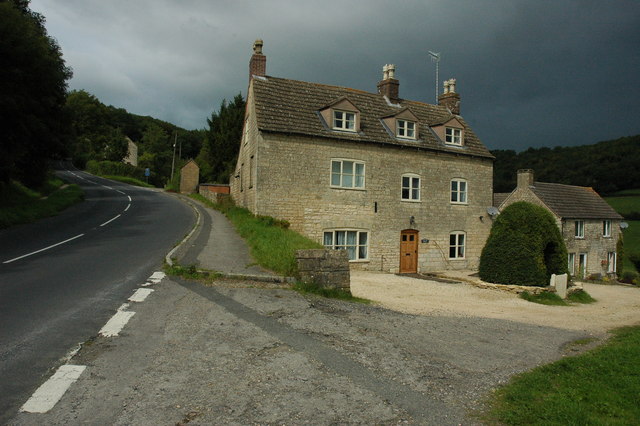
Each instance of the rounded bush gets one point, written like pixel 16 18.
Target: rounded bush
pixel 524 247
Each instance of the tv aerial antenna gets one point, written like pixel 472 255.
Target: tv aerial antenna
pixel 435 57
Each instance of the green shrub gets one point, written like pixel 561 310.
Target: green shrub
pixel 580 296
pixel 115 168
pixel 544 298
pixel 635 259
pixel 524 247
pixel 629 277
pixel 620 255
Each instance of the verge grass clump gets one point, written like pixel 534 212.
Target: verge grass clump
pixel 580 296
pixel 332 293
pixel 128 180
pixel 598 387
pixel 272 244
pixel 544 298
pixel 24 205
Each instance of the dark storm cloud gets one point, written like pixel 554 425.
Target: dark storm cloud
pixel 529 73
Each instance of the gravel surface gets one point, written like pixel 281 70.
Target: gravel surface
pixel 245 353
pixel 616 305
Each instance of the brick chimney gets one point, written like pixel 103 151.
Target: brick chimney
pixel 525 178
pixel 450 98
pixel 389 86
pixel 258 63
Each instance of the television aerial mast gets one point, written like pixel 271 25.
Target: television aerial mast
pixel 435 57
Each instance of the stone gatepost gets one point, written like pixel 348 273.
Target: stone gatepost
pixel 324 267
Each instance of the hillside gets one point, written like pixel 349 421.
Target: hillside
pixel 607 166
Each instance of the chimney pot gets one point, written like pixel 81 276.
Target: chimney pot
pixel 389 86
pixel 258 63
pixel 449 98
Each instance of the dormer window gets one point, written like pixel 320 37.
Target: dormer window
pixel 344 120
pixel 453 136
pixel 406 129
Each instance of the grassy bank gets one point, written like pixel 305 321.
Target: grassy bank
pixel 23 205
pixel 272 244
pixel 599 387
pixel 128 180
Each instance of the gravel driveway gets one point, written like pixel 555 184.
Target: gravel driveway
pixel 616 305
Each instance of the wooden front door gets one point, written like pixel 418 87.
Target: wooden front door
pixel 409 251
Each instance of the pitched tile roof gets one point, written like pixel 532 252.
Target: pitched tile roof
pixel 290 106
pixel 499 197
pixel 576 202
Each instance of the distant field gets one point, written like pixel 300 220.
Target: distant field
pixel 626 202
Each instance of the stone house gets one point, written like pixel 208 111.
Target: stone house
pixel 403 186
pixel 589 226
pixel 132 153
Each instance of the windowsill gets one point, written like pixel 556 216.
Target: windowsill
pixel 347 189
pixel 579 238
pixel 406 139
pixel 344 130
pixel 455 203
pixel 359 261
pixel 608 237
pixel 454 144
pixel 457 258
pixel 411 201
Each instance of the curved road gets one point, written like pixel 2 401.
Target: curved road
pixel 63 277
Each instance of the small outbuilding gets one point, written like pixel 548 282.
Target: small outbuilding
pixel 189 177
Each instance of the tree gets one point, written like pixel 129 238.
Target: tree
pixel 33 83
pixel 524 247
pixel 222 143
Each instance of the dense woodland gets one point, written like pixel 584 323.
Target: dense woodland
pixel 607 166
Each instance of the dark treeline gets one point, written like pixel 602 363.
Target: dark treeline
pixel 607 166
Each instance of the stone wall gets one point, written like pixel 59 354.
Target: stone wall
pixel 325 268
pixel 189 177
pixel 213 192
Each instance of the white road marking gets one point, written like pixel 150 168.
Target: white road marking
pixel 140 295
pixel 116 323
pixel 47 395
pixel 111 220
pixel 41 250
pixel 129 197
pixel 120 192
pixel 128 205
pixel 157 276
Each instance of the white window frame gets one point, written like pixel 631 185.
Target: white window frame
pixel 346 122
pixel 344 177
pixel 579 229
pixel 571 263
pixel 612 258
pixel 411 187
pixel 405 129
pixel 458 192
pixel 460 248
pixel 453 136
pixel 357 250
pixel 606 228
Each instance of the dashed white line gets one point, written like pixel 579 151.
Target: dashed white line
pixel 140 295
pixel 128 205
pixel 41 250
pixel 129 197
pixel 117 322
pixel 111 220
pixel 47 395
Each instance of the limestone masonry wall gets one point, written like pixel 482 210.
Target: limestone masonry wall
pixel 325 268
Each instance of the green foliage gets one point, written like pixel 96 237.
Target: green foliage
pixel 580 296
pixel 635 259
pixel 596 388
pixel 620 255
pixel 607 166
pixel 114 168
pixel 23 205
pixel 217 159
pixel 524 247
pixel 128 180
pixel 331 293
pixel 271 244
pixel 629 277
pixel 627 205
pixel 33 84
pixel 544 298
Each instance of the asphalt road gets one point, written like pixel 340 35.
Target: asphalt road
pixel 95 254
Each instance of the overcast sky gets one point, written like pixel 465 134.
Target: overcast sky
pixel 530 73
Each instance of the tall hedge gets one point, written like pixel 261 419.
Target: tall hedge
pixel 524 247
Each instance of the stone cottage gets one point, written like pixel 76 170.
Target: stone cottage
pixel 589 226
pixel 403 186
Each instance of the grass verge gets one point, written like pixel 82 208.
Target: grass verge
pixel 128 180
pixel 548 298
pixel 331 293
pixel 598 387
pixel 23 205
pixel 271 243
